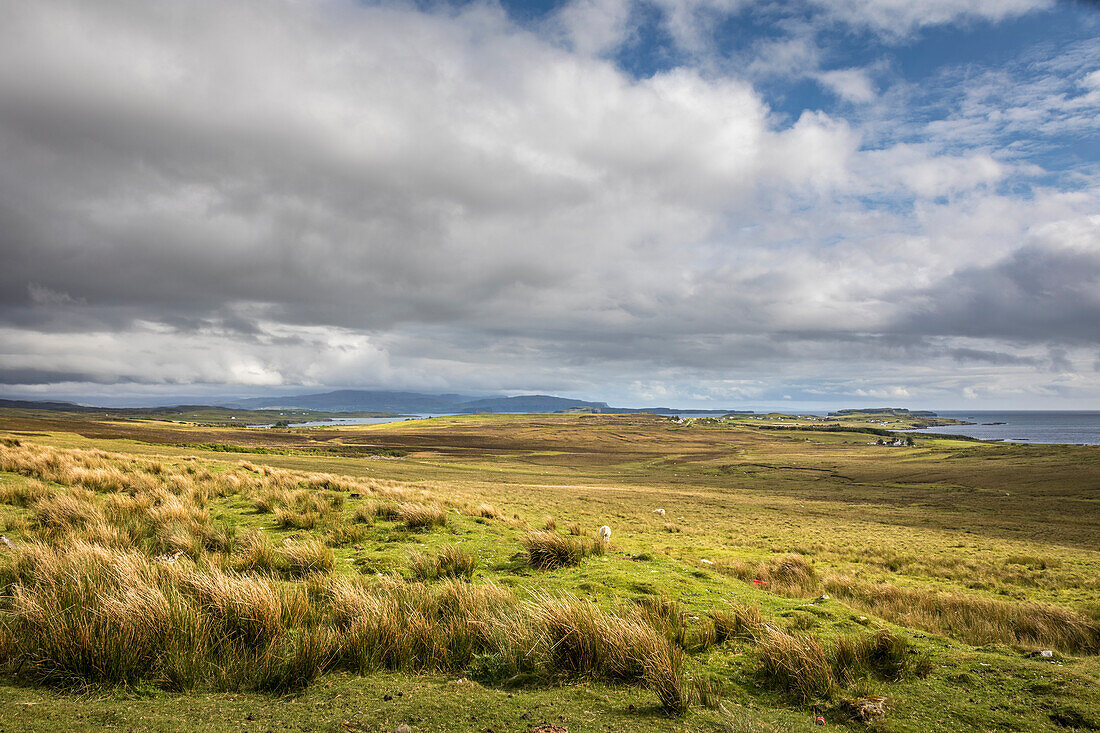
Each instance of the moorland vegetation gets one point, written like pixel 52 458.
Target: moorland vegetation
pixel 796 574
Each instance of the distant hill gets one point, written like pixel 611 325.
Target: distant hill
pixel 530 403
pixel 355 400
pixel 45 405
pixel 384 401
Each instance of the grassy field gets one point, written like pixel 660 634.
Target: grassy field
pixel 447 574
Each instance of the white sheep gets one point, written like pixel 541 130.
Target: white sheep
pixel 659 512
pixel 605 532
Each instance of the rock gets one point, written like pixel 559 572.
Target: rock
pixel 866 709
pixel 403 728
pixel 659 512
pixel 1046 653
pixel 6 542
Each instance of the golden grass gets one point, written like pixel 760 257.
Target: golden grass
pixel 971 618
pixel 789 575
pixel 795 664
pixel 421 516
pixel 451 562
pixel 24 494
pixel 808 670
pixel 488 511
pixel 550 550
pixel 236 611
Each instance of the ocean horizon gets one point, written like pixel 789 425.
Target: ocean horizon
pixel 1071 427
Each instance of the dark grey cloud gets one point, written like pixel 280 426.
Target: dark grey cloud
pixel 1035 294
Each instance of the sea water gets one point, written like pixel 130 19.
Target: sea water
pixel 1024 426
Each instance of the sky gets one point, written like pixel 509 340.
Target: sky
pixel 690 203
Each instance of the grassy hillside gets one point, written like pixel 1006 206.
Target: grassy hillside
pixel 447 574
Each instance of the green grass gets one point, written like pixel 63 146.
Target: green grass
pixel 906 540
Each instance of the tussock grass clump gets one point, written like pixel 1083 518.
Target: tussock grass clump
pixel 302 558
pixel 451 562
pixel 738 622
pixel 24 494
pixel 583 641
pixel 883 654
pixel 421 516
pixel 488 511
pixel 342 534
pixel 789 575
pixel 973 619
pixel 387 511
pixel 92 615
pixel 364 514
pixel 86 614
pixel 795 664
pixel 65 513
pixel 706 691
pixel 805 669
pixel 256 553
pixel 550 550
pixel 294 662
pixel 244 607
pixel 292 519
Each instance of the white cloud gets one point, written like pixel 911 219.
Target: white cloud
pixel 277 193
pixel 900 18
pixel 853 85
pixel 595 26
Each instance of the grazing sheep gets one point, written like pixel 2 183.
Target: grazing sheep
pixel 659 512
pixel 605 532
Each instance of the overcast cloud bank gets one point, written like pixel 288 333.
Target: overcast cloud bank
pixel 218 198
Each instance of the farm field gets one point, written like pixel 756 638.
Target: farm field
pixel 447 574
